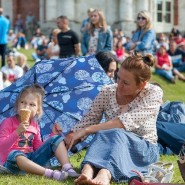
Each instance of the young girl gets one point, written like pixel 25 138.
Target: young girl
pixel 22 62
pixel 23 150
pixel 120 51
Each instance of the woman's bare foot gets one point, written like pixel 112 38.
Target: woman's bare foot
pixel 86 175
pixel 103 178
pixel 82 179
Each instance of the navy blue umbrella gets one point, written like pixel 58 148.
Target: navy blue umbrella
pixel 70 87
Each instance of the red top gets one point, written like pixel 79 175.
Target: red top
pixel 120 52
pixel 163 59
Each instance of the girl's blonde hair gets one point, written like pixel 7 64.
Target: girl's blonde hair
pixel 147 16
pixel 37 91
pixel 102 22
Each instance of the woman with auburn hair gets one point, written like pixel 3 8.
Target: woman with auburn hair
pixel 144 37
pixel 98 37
pixel 127 140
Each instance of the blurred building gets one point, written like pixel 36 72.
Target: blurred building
pixel 119 13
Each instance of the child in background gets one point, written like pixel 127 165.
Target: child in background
pixel 22 62
pixel 120 51
pixel 23 151
pixel 12 71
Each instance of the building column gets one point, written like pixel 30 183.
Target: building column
pixel 7 6
pixel 67 8
pixel 51 13
pixel 126 16
pixel 42 10
pixel 142 5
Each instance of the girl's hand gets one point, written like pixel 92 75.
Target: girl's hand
pixel 23 127
pixel 56 129
pixel 73 137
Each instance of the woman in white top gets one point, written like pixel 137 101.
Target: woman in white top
pixel 128 139
pixel 53 47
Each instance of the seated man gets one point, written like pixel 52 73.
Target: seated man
pixel 41 51
pixel 20 40
pixel 177 56
pixel 12 71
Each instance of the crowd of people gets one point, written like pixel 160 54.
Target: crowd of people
pixel 96 35
pixel 130 105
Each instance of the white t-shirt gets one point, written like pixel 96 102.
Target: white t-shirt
pixel 1 80
pixel 13 74
pixel 54 49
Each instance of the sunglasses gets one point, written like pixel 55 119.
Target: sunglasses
pixel 141 18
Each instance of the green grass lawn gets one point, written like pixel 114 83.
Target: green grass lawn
pixel 172 92
pixel 33 179
pixel 28 53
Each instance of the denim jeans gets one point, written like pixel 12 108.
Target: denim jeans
pixel 171 135
pixel 180 68
pixel 166 74
pixel 3 53
pixel 173 112
pixel 41 156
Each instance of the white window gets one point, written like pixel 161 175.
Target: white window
pixel 164 15
pixel 164 11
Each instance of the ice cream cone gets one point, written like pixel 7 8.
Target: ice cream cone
pixel 25 115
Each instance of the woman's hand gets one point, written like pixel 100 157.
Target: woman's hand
pixel 56 129
pixel 22 127
pixel 73 137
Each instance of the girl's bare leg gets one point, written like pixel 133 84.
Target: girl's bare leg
pixel 33 168
pixel 86 174
pixel 61 154
pixel 103 178
pixel 179 75
pixel 29 166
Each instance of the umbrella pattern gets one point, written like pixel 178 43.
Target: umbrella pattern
pixel 70 86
